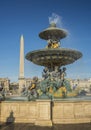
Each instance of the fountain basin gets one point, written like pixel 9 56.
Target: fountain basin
pixel 53 57
pixel 53 31
pixel 16 98
pixel 42 112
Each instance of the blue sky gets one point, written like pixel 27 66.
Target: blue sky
pixel 30 17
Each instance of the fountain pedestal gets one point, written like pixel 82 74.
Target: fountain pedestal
pixel 43 117
pixel 53 58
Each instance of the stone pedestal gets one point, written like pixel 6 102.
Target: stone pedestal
pixel 43 113
pixel 43 117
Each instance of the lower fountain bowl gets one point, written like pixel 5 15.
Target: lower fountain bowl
pixel 53 57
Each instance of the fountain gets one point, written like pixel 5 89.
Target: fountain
pixel 53 57
pixel 51 100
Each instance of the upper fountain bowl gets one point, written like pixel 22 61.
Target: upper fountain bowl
pixel 53 31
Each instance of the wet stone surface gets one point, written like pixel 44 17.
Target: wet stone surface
pixel 25 126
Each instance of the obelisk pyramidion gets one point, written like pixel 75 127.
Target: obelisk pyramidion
pixel 21 69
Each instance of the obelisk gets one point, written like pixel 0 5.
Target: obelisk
pixel 21 67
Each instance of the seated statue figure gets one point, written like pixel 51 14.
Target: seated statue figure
pixel 45 73
pixel 24 91
pixel 2 93
pixel 63 73
pixel 32 90
pixel 49 43
pixel 55 44
pixel 52 43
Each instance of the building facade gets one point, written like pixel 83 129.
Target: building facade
pixel 5 83
pixel 83 84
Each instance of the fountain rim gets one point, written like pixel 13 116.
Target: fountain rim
pixel 57 56
pixel 61 33
pixel 52 49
